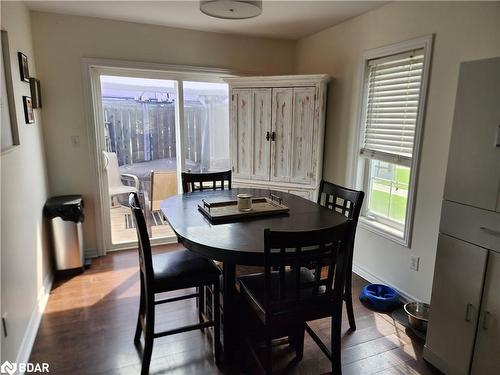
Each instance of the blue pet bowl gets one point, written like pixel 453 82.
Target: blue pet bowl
pixel 379 297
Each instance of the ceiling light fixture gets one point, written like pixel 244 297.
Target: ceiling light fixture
pixel 231 9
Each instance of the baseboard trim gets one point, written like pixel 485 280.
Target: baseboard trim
pixel 91 253
pixel 374 279
pixel 24 353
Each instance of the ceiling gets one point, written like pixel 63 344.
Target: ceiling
pixel 280 19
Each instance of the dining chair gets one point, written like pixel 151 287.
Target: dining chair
pixel 347 202
pixel 192 182
pixel 165 272
pixel 288 294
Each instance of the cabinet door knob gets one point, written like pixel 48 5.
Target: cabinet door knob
pixel 273 136
pixel 467 312
pixel 268 136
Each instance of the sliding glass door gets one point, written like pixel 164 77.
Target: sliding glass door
pixel 142 151
pixel 206 126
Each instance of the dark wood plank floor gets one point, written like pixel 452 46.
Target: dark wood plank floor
pixel 88 328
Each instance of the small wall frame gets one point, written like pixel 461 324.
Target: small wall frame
pixel 36 93
pixel 23 67
pixel 29 114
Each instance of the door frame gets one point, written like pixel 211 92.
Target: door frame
pixel 92 69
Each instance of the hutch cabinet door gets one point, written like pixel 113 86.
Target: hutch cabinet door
pixel 486 354
pixel 473 175
pixel 302 135
pixel 241 132
pixel 456 298
pixel 281 133
pixel 261 144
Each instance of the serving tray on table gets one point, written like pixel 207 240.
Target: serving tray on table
pixel 224 211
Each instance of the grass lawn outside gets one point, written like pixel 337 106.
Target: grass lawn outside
pixel 393 205
pixel 379 204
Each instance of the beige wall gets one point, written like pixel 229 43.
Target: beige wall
pixel 24 253
pixel 463 31
pixel 62 41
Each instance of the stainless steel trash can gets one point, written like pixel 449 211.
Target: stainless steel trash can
pixel 66 216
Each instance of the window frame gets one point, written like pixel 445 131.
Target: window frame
pixel 361 164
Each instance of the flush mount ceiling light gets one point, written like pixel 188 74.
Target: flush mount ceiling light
pixel 231 9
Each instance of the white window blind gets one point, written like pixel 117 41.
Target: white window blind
pixel 392 99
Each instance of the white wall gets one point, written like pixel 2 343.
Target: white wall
pixel 463 31
pixel 62 41
pixel 24 252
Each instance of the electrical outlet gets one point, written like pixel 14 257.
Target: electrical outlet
pixel 414 263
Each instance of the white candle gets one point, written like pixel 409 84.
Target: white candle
pixel 244 202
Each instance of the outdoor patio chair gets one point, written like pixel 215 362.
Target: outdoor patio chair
pixel 115 178
pixel 163 185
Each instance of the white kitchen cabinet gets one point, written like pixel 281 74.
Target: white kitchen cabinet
pixel 487 350
pixel 277 132
pixel 458 281
pixel 473 173
pixel 463 334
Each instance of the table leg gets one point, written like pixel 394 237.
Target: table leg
pixel 230 313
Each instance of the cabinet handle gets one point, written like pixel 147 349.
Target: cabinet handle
pixel 485 320
pixel 490 231
pixel 497 141
pixel 273 136
pixel 268 136
pixel 467 312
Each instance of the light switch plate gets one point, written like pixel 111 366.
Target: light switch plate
pixel 414 262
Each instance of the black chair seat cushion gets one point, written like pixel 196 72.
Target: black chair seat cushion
pixel 252 288
pixel 182 269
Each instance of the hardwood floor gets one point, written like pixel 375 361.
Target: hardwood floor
pixel 88 328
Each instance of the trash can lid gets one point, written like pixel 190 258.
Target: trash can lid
pixel 67 207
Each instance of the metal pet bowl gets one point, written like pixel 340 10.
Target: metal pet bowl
pixel 418 315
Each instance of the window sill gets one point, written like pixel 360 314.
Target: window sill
pixel 384 230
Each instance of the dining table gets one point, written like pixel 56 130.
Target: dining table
pixel 241 241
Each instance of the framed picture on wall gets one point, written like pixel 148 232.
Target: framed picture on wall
pixel 23 67
pixel 36 93
pixel 29 115
pixel 9 134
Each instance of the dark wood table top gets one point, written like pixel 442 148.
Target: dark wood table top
pixel 240 242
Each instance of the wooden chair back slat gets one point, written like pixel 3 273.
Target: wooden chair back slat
pixel 145 257
pixel 350 200
pixel 192 182
pixel 327 246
